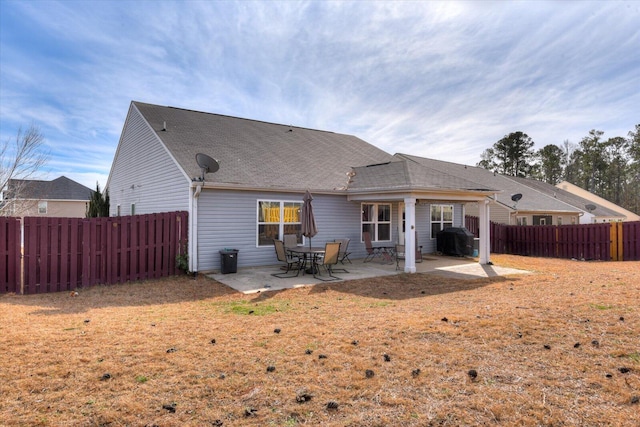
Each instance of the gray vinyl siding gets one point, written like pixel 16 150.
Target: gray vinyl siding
pixel 498 214
pixel 423 224
pixel 144 174
pixel 228 219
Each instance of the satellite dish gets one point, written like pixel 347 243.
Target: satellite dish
pixel 207 164
pixel 516 197
pixel 590 207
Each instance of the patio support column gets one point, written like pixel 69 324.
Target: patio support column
pixel 485 238
pixel 410 235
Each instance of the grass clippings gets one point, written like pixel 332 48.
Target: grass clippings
pixel 102 358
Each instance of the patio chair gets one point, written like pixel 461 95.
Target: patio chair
pixel 399 255
pixel 372 252
pixel 292 262
pixel 330 258
pixel 344 250
pixel 290 241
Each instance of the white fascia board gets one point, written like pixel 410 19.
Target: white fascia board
pixel 115 156
pixel 449 195
pixel 238 187
pixel 153 132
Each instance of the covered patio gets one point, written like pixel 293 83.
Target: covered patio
pixel 260 279
pixel 406 184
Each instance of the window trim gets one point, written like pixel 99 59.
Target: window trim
pixel 41 204
pixel 442 222
pixel 375 222
pixel 281 224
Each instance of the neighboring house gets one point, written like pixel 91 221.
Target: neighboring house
pixel 534 207
pixel 599 201
pixel 61 197
pixel 265 168
pixel 591 211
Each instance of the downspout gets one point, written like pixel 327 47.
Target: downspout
pixel 193 232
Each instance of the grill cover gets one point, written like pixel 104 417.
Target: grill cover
pixel 456 241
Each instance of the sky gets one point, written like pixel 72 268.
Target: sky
pixel 443 80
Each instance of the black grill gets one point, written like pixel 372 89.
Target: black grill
pixel 457 241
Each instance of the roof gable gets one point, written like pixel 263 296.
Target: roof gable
pixel 254 154
pixel 407 174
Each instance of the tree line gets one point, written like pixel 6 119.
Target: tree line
pixel 609 168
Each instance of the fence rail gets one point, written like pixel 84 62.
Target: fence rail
pixel 616 241
pixel 63 254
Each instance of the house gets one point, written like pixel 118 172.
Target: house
pixel 621 214
pixel 61 197
pixel 264 170
pixel 590 211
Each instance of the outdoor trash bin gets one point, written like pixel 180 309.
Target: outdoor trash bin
pixel 228 261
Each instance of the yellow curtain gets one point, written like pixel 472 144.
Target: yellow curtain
pixel 291 214
pixel 274 215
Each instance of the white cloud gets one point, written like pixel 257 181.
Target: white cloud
pixel 439 79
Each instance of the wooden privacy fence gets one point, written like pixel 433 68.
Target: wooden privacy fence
pixel 62 254
pixel 9 255
pixel 615 241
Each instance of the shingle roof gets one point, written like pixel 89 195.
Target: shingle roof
pixel 254 154
pixel 61 188
pixel 532 200
pixel 567 197
pixel 407 174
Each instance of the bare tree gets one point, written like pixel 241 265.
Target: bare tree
pixel 19 160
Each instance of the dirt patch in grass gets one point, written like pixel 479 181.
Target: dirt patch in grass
pixel 557 347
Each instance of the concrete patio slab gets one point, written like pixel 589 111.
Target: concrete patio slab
pixel 260 279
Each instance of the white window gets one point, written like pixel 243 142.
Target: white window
pixel 277 218
pixel 559 220
pixel 521 220
pixel 118 210
pixel 133 208
pixel 441 218
pixel 376 219
pixel 42 207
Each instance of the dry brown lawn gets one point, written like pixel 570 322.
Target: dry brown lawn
pixel 558 347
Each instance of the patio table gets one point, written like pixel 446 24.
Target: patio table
pixel 306 253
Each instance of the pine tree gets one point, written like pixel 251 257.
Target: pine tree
pixel 98 204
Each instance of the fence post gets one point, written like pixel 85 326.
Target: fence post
pixel 620 237
pixel 613 232
pixel 10 251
